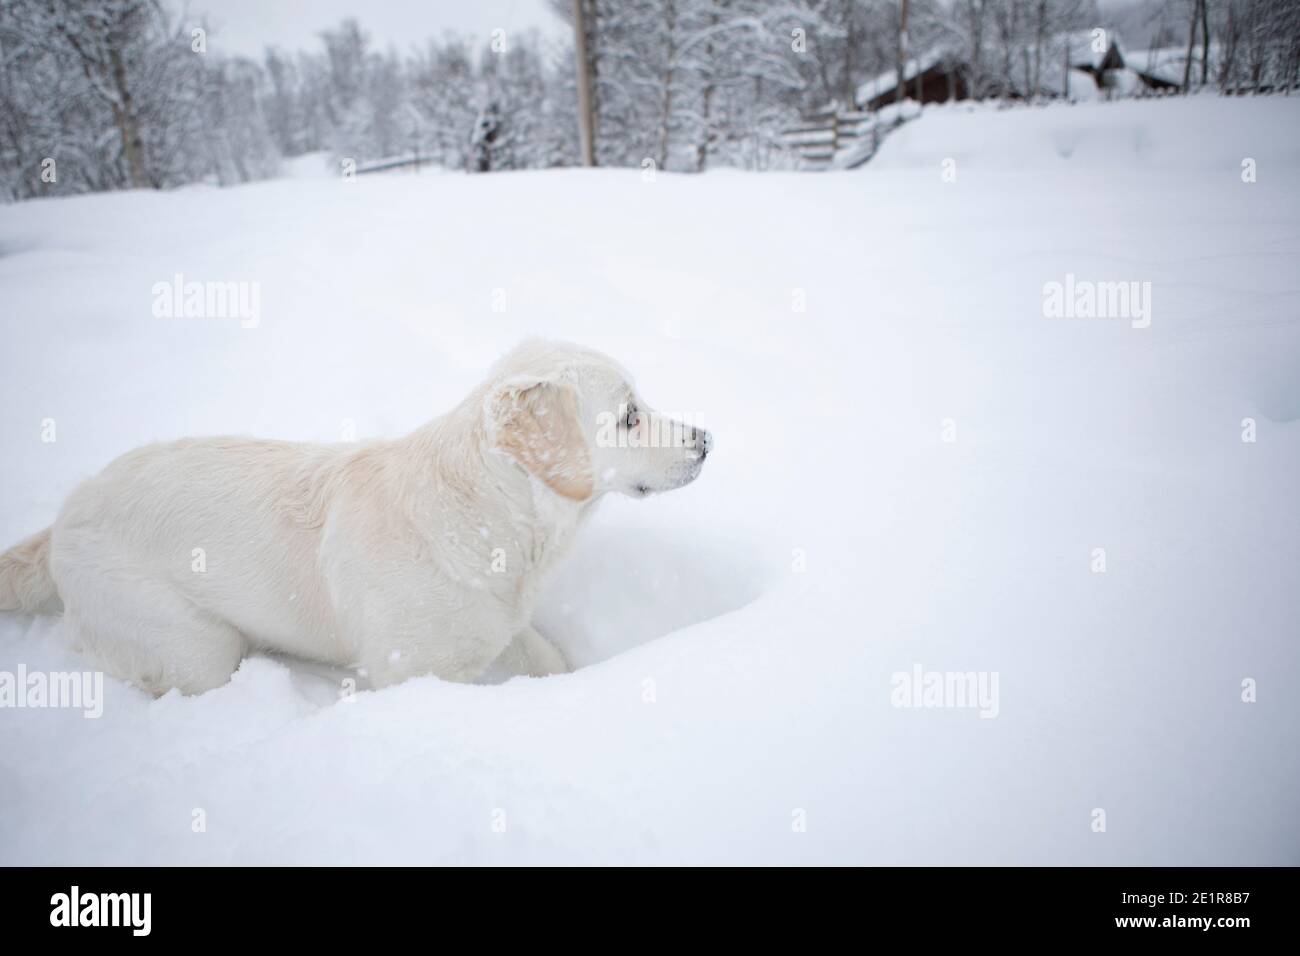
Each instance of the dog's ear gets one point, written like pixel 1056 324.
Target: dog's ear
pixel 536 423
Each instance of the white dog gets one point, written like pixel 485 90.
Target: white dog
pixel 422 555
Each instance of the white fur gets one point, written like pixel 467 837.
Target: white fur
pixel 422 555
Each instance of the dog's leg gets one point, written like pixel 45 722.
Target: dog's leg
pixel 543 655
pixel 532 654
pixel 144 632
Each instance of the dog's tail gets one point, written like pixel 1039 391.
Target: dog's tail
pixel 26 583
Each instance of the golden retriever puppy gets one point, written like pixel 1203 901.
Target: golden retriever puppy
pixel 420 555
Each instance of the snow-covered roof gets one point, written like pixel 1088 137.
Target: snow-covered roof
pixel 1167 63
pixel 888 80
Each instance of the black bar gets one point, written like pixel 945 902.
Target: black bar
pixel 976 904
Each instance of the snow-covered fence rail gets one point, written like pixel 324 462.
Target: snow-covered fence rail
pixel 412 161
pixel 836 138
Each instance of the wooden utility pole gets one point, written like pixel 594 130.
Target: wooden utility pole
pixel 1065 83
pixel 1191 45
pixel 666 113
pixel 586 137
pixel 1205 42
pixel 902 51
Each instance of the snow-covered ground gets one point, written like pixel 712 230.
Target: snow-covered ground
pixel 738 638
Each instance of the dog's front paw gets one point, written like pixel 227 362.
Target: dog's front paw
pixel 537 656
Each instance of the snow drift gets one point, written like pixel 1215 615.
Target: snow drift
pixel 916 469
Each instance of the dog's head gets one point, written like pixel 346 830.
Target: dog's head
pixel 572 418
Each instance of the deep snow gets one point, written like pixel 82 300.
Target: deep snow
pixel 770 686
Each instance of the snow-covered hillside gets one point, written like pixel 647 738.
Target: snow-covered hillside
pixel 915 468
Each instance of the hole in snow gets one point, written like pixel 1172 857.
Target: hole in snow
pixel 624 586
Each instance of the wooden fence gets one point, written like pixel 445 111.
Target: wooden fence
pixel 836 138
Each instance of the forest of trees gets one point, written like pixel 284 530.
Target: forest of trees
pixel 113 94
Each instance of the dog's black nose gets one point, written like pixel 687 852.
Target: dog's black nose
pixel 704 443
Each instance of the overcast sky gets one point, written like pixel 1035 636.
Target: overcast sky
pixel 248 26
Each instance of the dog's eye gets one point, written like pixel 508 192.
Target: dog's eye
pixel 632 417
